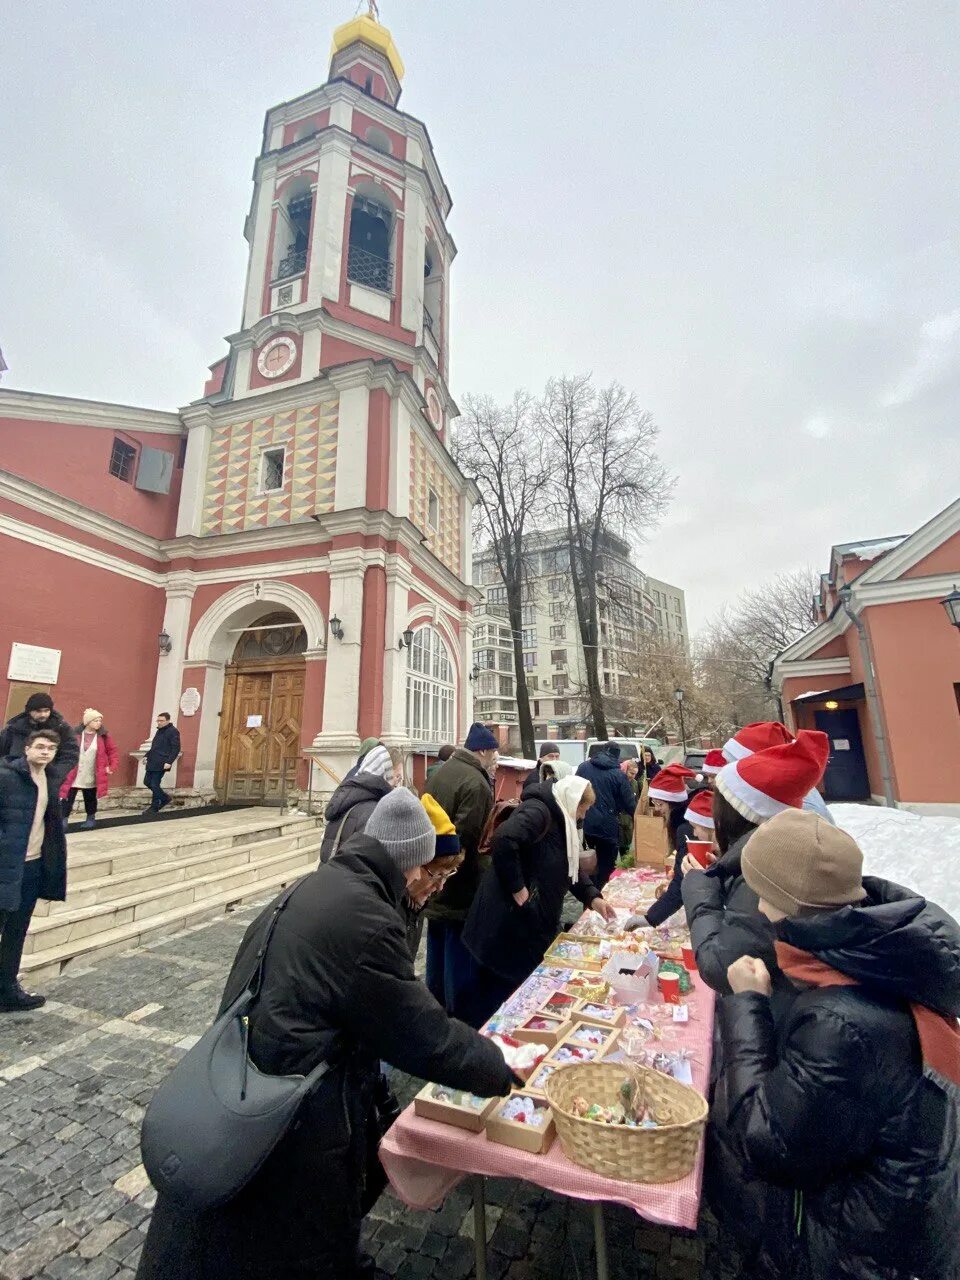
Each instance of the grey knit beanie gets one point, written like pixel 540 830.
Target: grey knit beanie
pixel 401 825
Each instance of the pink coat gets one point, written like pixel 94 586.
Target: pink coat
pixel 107 758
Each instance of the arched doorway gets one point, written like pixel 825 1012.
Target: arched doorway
pixel 262 710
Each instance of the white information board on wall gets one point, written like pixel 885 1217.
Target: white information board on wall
pixel 34 664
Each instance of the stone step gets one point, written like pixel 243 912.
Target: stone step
pixel 134 881
pixel 80 922
pixel 93 855
pixel 41 965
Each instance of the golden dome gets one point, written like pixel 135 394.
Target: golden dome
pixel 368 31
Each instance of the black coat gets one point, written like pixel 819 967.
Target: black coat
pixel 163 749
pixel 614 796
pixel 826 1112
pixel 18 804
pixel 671 900
pixel 17 730
pixel 464 790
pixel 529 850
pixel 725 923
pixel 349 809
pixel 338 983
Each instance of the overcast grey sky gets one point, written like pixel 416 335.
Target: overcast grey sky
pixel 746 212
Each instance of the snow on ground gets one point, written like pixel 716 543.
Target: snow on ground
pixel 921 853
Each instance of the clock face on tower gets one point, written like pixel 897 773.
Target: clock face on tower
pixel 434 411
pixel 276 357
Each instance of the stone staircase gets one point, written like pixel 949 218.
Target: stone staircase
pixel 135 883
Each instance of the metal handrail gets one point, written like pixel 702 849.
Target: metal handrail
pixel 369 269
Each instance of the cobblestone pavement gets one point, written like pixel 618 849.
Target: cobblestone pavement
pixel 75 1202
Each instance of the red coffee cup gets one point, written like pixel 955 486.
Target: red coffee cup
pixel 689 959
pixel 669 984
pixel 700 851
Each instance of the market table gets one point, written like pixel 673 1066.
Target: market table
pixel 425 1159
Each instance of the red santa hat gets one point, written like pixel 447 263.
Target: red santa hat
pixel 669 784
pixel 700 809
pixel 713 762
pixel 767 782
pixel 759 736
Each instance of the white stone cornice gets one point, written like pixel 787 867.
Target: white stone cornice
pixel 34 406
pixel 39 500
pixel 292 395
pixel 209 546
pixel 73 550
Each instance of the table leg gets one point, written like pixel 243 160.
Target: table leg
pixel 600 1241
pixel 480 1226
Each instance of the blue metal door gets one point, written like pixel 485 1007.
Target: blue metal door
pixel 846 776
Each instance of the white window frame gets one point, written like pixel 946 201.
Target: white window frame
pixel 268 449
pixel 431 688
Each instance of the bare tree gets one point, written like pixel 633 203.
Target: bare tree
pixel 737 646
pixel 496 446
pixel 604 473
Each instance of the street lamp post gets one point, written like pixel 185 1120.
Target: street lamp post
pixel 678 694
pixel 951 604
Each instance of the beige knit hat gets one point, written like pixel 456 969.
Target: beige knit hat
pixel 91 714
pixel 798 860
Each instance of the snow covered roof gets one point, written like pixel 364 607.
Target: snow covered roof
pixel 870 548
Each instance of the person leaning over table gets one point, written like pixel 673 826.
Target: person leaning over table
pixel 836 1109
pixel 668 799
pixel 722 909
pixel 338 984
pixel 433 875
pixel 517 910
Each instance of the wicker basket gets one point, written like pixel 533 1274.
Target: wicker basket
pixel 663 1154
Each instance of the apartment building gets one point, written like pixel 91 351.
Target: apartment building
pixel 553 656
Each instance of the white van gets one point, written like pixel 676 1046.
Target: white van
pixel 573 751
pixel 630 748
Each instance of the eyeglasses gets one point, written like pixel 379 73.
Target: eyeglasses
pixel 439 877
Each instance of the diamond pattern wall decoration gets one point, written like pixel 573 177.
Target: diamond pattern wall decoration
pixel 426 474
pixel 232 497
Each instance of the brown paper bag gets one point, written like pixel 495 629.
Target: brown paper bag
pixel 649 840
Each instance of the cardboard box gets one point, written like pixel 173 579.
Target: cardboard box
pixel 587 986
pixel 582 953
pixel 470 1117
pixel 599 1014
pixel 514 1133
pixel 577 1039
pixel 534 1032
pixel 559 1005
pixel 537 1080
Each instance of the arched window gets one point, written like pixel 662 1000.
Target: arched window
pixel 293 230
pixel 369 258
pixel 431 690
pixel 273 637
pixel 379 140
pixel 432 286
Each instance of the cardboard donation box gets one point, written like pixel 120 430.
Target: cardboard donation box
pixel 453 1106
pixel 524 1121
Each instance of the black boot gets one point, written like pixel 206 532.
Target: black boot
pixel 15 1000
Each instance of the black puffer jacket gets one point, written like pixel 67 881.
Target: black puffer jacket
pixel 671 900
pixel 349 808
pixel 15 733
pixel 339 983
pixel 725 923
pixel 614 796
pixel 529 850
pixel 826 1112
pixel 18 804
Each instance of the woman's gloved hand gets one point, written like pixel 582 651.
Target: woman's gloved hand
pixel 636 922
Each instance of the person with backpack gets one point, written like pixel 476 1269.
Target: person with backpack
pixel 837 1099
pixel 535 861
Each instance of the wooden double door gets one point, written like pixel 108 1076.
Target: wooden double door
pixel 260 732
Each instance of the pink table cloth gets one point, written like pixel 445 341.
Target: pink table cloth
pixel 424 1160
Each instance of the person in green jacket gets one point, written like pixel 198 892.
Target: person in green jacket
pixel 443 755
pixel 463 787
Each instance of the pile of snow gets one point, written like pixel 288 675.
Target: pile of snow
pixel 921 853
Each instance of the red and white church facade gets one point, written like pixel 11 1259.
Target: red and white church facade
pixel 283 564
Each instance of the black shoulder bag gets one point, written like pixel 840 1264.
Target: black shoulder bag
pixel 216 1118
